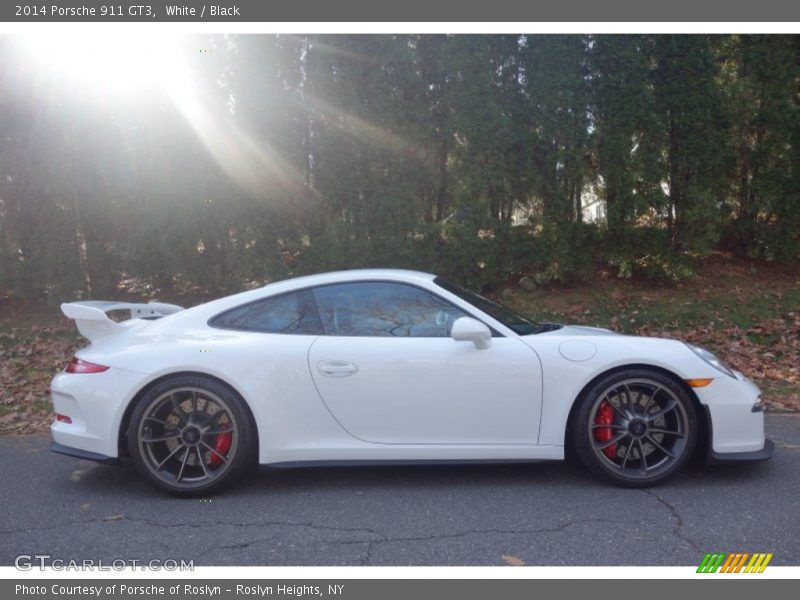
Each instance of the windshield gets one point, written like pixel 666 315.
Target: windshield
pixel 513 320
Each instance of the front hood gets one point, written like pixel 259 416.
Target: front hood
pixel 580 330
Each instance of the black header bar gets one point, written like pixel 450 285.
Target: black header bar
pixel 238 11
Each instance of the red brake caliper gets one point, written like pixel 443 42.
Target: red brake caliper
pixel 605 416
pixel 222 444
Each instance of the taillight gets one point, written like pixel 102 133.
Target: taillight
pixel 63 418
pixel 78 365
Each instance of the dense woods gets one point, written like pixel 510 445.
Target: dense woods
pixel 484 158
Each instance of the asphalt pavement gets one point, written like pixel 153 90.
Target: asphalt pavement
pixel 536 514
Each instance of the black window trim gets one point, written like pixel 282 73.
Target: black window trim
pixel 311 288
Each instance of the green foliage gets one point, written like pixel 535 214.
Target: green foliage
pixel 629 130
pixel 646 252
pixel 470 156
pixel 761 82
pixel 698 157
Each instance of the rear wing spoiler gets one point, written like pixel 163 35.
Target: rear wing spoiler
pixel 92 320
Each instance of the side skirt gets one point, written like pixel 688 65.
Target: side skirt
pixel 388 454
pixel 300 464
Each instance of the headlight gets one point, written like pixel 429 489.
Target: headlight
pixel 712 360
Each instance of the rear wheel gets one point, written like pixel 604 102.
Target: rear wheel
pixel 635 428
pixel 191 435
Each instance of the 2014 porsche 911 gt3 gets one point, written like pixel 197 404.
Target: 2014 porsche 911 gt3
pixel 386 366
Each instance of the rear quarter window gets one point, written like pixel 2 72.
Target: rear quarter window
pixel 293 313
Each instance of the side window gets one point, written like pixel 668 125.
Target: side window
pixel 293 313
pixel 383 309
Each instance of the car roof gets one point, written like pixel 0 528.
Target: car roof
pixel 351 275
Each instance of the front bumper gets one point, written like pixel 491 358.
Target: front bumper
pixel 735 418
pixel 724 457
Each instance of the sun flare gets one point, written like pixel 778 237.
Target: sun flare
pixel 103 62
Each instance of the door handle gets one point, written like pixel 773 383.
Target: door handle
pixel 337 368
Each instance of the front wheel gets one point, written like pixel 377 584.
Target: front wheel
pixel 191 435
pixel 636 428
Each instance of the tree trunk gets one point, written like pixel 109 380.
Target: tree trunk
pixel 441 192
pixel 675 188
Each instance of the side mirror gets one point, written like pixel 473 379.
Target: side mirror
pixel 467 329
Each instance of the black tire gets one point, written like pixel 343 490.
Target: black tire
pixel 192 436
pixel 635 428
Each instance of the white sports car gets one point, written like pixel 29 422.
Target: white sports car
pixel 386 366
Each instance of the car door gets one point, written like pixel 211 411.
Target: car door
pixel 389 372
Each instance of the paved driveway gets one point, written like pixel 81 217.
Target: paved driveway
pixel 545 514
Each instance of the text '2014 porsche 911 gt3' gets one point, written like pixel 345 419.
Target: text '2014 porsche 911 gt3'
pixel 386 366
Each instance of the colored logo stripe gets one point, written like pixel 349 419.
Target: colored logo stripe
pixel 711 563
pixel 734 562
pixel 758 563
